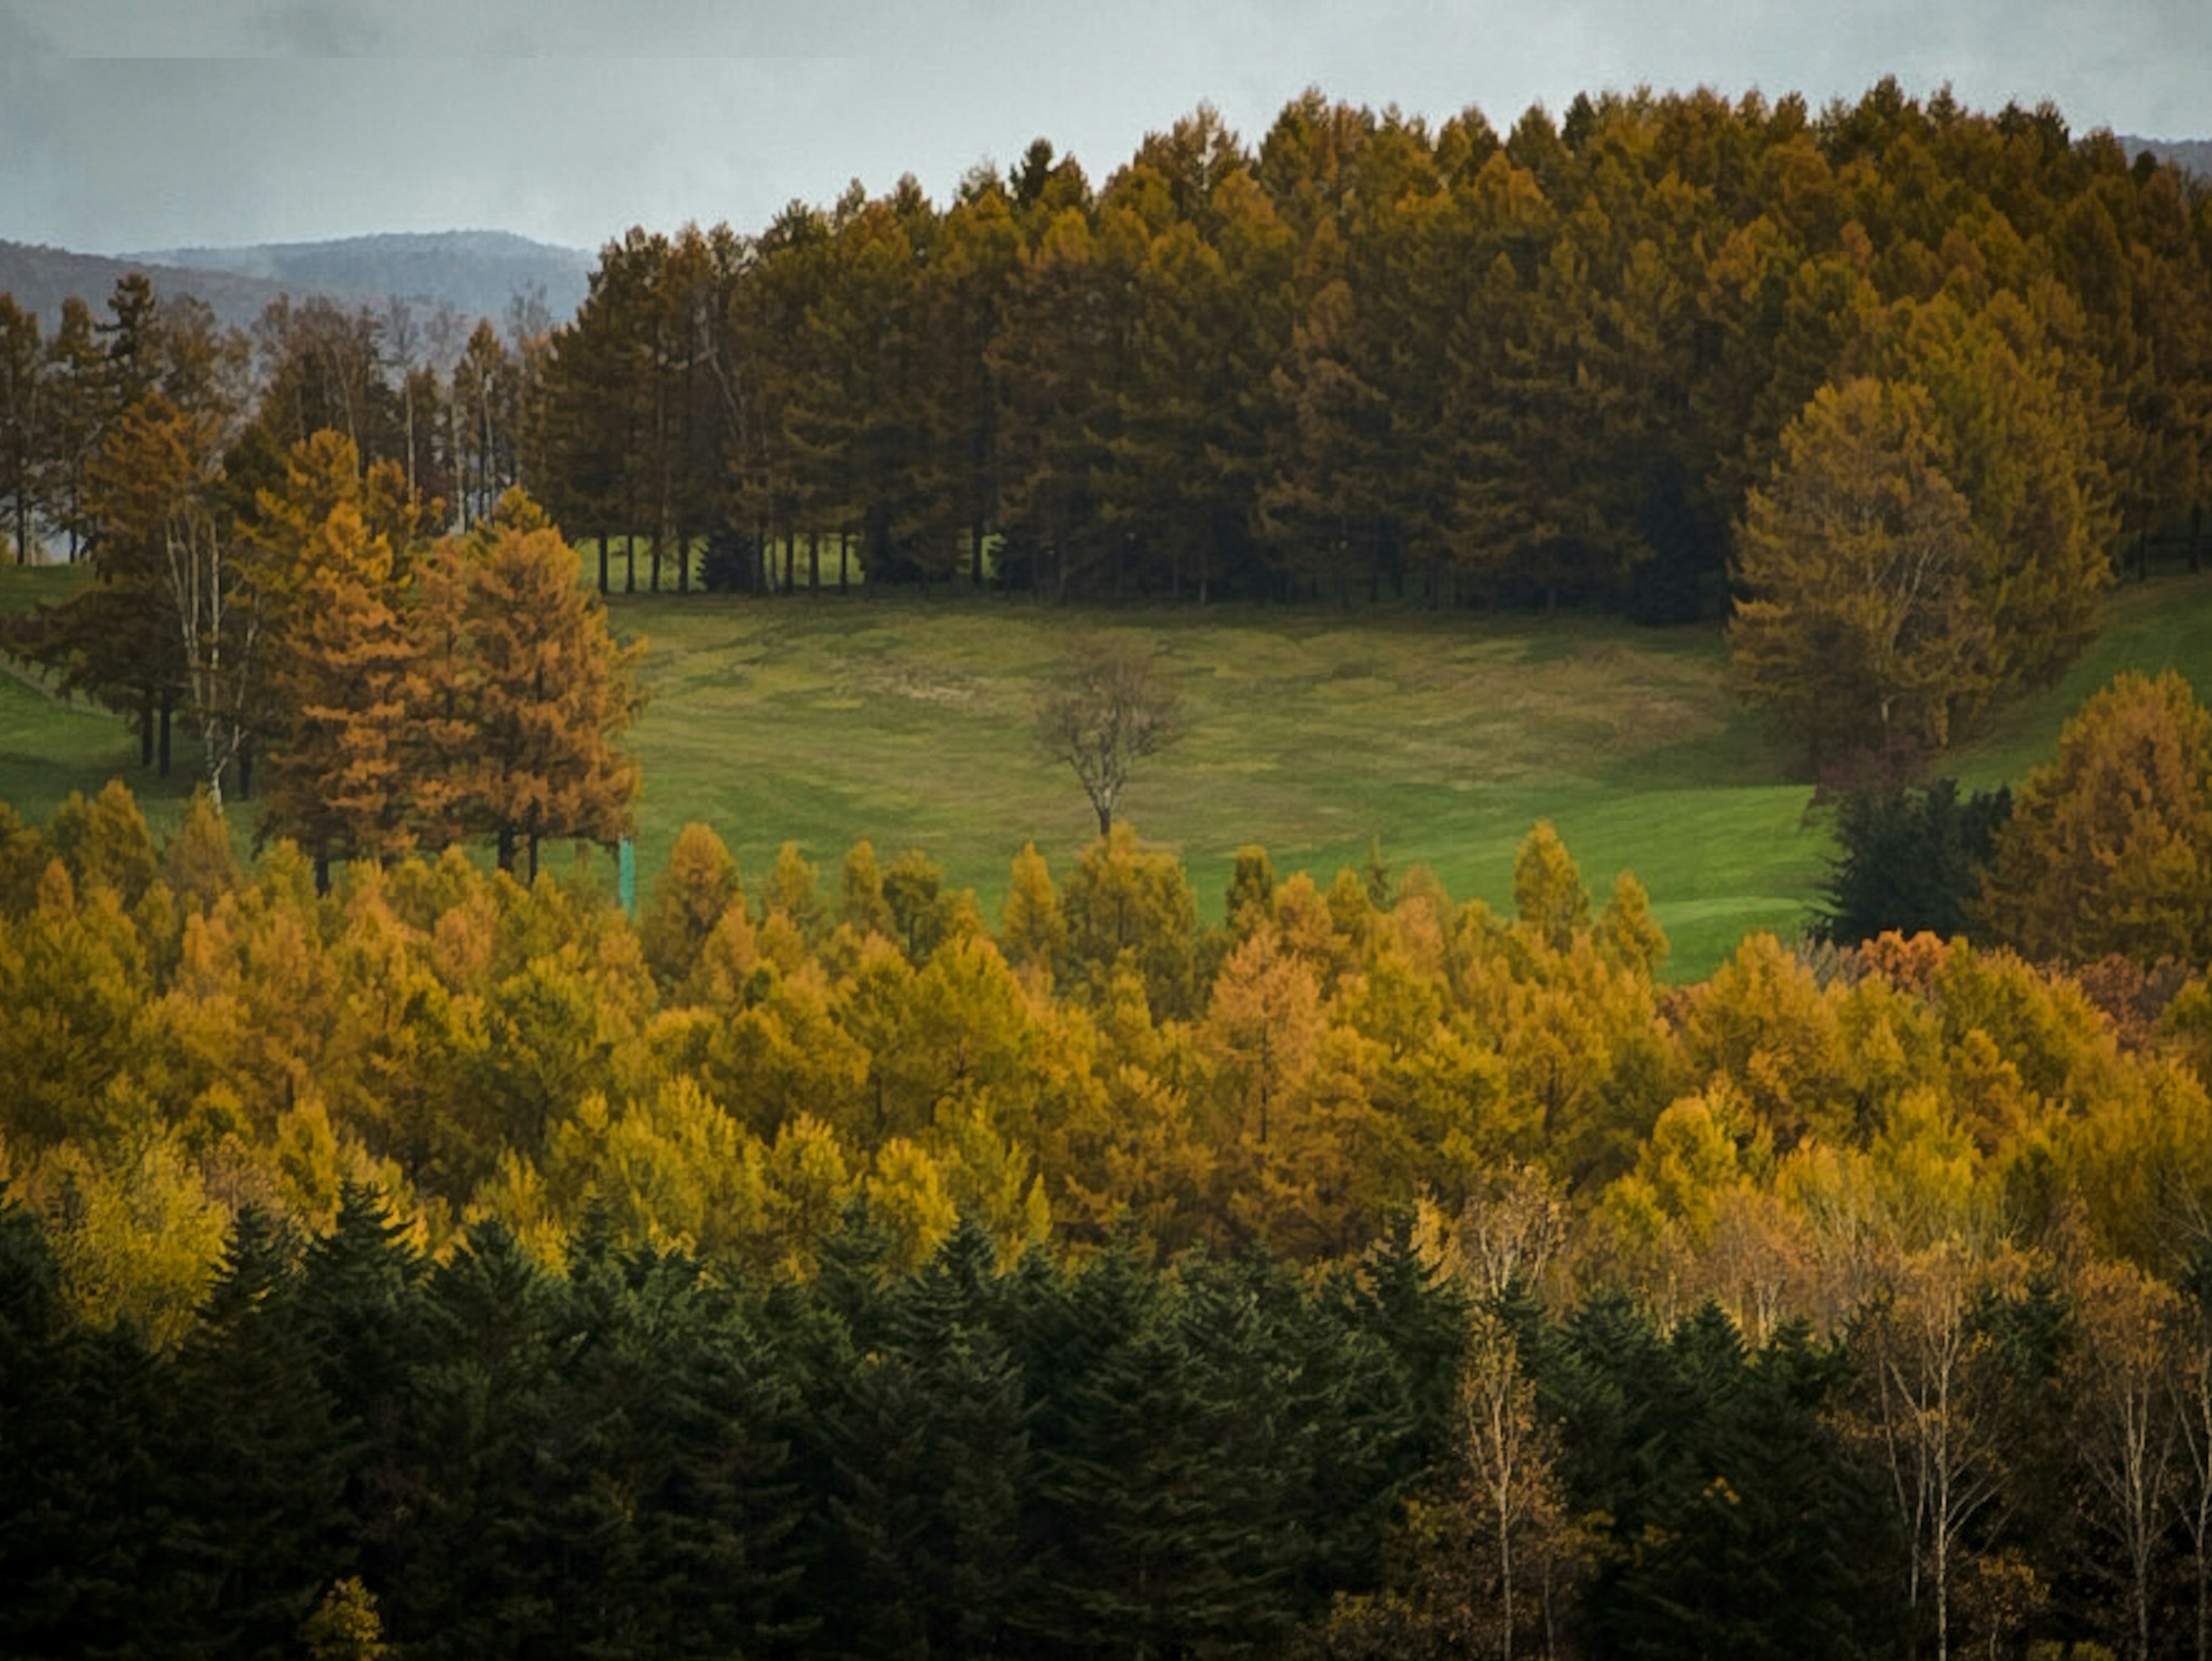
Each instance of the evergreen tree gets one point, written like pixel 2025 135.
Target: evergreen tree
pixel 1911 860
pixel 25 442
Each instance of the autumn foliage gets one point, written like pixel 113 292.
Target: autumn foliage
pixel 1840 1174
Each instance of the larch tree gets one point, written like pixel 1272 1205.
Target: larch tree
pixel 341 780
pixel 531 686
pixel 2109 847
pixel 1860 628
pixel 75 415
pixel 22 435
pixel 700 884
pixel 1032 930
pixel 2016 441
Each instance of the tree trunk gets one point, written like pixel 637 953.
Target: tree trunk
pixel 506 848
pixel 163 770
pixel 629 559
pixel 844 563
pixel 2204 1600
pixel 603 563
pixel 683 560
pixel 245 770
pixel 146 729
pixel 211 749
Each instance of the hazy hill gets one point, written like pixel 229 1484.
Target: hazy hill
pixel 41 278
pixel 2193 154
pixel 476 273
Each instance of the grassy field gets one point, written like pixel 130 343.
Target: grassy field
pixel 906 720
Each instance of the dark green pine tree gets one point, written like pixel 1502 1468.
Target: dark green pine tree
pixel 931 1475
pixel 359 1304
pixel 256 1475
pixel 1736 1525
pixel 491 1547
pixel 1909 859
pixel 1180 1524
pixel 1419 1315
pixel 686 1405
pixel 81 1429
pixel 1356 1404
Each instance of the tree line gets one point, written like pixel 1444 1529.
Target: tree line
pixel 1371 355
pixel 1900 385
pixel 440 398
pixel 1846 1302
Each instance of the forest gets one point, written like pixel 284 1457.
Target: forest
pixel 413 1248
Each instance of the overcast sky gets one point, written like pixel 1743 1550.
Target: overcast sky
pixel 128 125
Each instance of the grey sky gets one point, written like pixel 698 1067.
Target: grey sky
pixel 136 123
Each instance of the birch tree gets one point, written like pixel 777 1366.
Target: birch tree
pixel 157 499
pixel 2123 1424
pixel 1935 1418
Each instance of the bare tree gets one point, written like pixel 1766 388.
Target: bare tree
pixel 2190 1382
pixel 1936 1414
pixel 2123 1421
pixel 1110 704
pixel 1515 1221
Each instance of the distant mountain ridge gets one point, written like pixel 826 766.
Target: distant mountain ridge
pixel 477 273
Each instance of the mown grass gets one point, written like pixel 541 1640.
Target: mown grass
pixel 908 720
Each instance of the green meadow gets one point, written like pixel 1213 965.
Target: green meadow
pixel 908 720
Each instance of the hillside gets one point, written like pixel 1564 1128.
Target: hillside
pixel 477 273
pixel 1311 731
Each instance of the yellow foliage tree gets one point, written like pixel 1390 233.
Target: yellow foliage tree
pixel 526 691
pixel 699 884
pixel 1861 628
pixel 2109 847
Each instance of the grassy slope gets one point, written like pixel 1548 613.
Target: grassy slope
pixel 907 721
